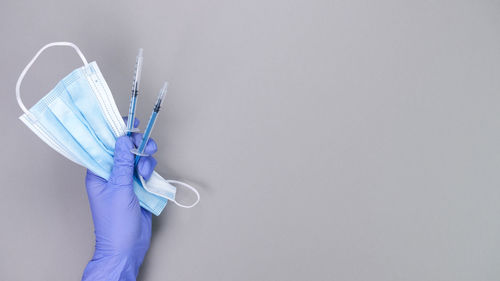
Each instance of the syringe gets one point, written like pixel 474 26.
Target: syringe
pixel 135 90
pixel 147 133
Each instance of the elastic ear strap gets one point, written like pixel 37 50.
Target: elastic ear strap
pixel 173 200
pixel 28 66
pixel 189 187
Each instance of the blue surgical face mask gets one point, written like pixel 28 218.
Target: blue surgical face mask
pixel 80 120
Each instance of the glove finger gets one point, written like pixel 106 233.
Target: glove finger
pixel 94 185
pixel 93 177
pixel 151 146
pixel 93 182
pixel 146 166
pixel 136 121
pixel 123 167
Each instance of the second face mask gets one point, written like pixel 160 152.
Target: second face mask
pixel 80 120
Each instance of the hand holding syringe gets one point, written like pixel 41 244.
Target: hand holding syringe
pixel 139 151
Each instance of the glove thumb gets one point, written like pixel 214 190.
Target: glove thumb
pixel 122 173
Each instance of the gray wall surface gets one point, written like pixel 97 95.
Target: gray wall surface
pixel 330 140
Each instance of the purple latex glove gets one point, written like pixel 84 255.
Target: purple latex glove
pixel 122 227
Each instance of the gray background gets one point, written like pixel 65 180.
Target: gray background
pixel 330 140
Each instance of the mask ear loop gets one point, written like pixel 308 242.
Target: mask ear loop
pixel 189 187
pixel 28 66
pixel 173 200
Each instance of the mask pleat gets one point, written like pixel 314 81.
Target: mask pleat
pixel 53 126
pixel 88 105
pixel 81 133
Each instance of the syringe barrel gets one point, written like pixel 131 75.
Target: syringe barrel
pixel 146 136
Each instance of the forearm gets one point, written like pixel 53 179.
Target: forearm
pixel 113 267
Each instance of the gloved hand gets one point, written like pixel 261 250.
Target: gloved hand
pixel 122 227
